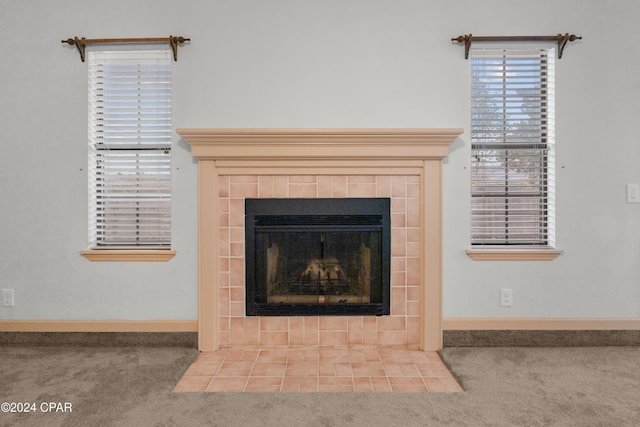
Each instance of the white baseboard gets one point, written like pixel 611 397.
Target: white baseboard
pixel 565 324
pixel 98 326
pixel 450 323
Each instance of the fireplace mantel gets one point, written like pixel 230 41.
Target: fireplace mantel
pixel 305 144
pixel 241 152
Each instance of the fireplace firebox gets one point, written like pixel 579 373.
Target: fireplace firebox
pixel 313 257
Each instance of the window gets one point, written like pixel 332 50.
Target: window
pixel 512 148
pixel 130 149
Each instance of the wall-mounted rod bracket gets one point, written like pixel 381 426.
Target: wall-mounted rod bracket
pixel 174 41
pixel 561 39
pixel 77 43
pixel 81 43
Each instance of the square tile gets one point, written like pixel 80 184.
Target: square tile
pixel 318 369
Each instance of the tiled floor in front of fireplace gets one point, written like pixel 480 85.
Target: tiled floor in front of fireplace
pixel 318 370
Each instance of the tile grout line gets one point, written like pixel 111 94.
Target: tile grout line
pixel 401 358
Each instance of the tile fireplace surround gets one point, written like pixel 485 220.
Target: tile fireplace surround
pixel 402 164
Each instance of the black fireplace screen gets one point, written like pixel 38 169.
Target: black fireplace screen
pixel 317 256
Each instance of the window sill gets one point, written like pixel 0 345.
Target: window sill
pixel 512 254
pixel 140 255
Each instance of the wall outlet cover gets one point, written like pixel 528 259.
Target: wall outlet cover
pixel 6 296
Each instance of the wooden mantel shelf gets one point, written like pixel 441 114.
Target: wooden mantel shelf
pixel 319 144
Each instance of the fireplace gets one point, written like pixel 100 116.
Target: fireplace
pixel 403 164
pixel 315 257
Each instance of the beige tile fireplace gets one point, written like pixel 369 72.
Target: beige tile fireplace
pixel 401 164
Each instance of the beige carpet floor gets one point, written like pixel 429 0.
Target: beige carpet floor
pixel 578 386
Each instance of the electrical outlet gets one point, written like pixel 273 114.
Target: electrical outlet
pixel 7 298
pixel 506 297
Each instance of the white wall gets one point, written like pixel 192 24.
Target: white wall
pixel 329 63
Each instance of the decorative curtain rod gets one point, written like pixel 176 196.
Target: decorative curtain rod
pixel 82 43
pixel 562 40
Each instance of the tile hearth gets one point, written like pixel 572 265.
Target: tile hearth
pixel 318 369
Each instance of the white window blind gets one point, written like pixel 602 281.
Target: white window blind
pixel 130 148
pixel 512 138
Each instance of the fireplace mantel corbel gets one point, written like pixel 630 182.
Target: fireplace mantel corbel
pixel 320 152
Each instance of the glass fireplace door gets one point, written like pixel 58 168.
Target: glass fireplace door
pixel 317 257
pixel 318 267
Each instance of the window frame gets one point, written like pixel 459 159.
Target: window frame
pixel 112 147
pixel 539 247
